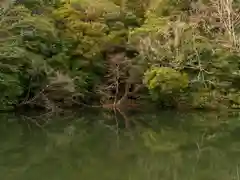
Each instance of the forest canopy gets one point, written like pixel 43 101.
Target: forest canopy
pixel 171 53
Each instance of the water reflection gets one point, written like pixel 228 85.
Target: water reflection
pixel 170 146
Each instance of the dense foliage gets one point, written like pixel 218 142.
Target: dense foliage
pixel 181 53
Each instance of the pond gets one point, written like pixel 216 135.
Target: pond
pixel 96 146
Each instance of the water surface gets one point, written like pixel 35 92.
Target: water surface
pixel 96 146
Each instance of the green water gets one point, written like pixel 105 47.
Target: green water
pixel 96 146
